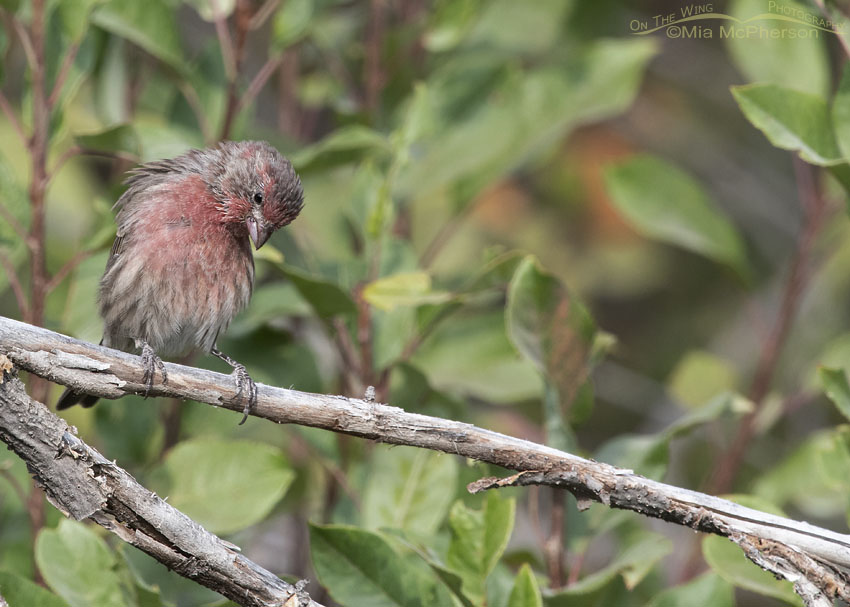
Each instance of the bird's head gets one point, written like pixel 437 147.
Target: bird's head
pixel 254 186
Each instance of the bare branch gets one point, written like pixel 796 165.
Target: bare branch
pixel 258 82
pixel 67 62
pixel 263 13
pixel 111 374
pixel 83 484
pixel 19 229
pixel 72 263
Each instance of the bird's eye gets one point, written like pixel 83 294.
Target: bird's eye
pixel 258 198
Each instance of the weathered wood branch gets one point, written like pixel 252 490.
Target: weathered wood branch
pixel 83 484
pixel 816 559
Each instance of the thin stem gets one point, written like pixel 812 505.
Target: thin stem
pixel 15 283
pixel 66 269
pixel 19 229
pixel 263 13
pixel 814 207
pixel 288 109
pixel 26 42
pixel 259 82
pixel 554 546
pixel 232 57
pixel 191 97
pixel 225 41
pixel 374 76
pixel 67 62
pixel 841 40
pixel 446 233
pixel 10 115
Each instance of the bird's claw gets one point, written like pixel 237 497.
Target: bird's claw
pixel 151 362
pixel 245 383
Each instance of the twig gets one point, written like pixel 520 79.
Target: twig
pixel 347 350
pixel 288 107
pixel 553 548
pixel 263 13
pixel 258 82
pixel 191 97
pixel 111 374
pixel 818 581
pixel 13 120
pixel 15 283
pixel 84 485
pixel 829 16
pixel 67 62
pixel 445 234
pixel 6 214
pixel 814 208
pixel 72 263
pixel 26 42
pixel 225 41
pixel 374 76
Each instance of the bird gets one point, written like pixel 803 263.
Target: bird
pixel 181 265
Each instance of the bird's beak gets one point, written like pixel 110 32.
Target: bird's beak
pixel 258 230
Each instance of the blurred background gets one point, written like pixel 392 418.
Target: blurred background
pixel 468 167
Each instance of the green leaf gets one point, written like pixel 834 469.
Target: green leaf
pixel 74 15
pixel 728 561
pixel 326 298
pixel 78 566
pixel 120 138
pixel 707 589
pixel 112 83
pixel 518 27
pixel 841 113
pixel 402 290
pixel 814 478
pixel 450 20
pixel 291 23
pixel 21 592
pixel 341 146
pixel 409 489
pixel 700 376
pixel 209 482
pixel 210 10
pixel 479 537
pixel 360 567
pixel 664 203
pixel 798 62
pixel 526 592
pixel 644 549
pixel 648 455
pixel 835 386
pixel 525 114
pixel 470 354
pixel 150 25
pixel 791 120
pixel 555 332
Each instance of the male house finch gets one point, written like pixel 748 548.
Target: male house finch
pixel 181 267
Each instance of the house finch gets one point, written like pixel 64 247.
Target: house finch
pixel 181 267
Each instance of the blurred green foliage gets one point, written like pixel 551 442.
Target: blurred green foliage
pixel 517 214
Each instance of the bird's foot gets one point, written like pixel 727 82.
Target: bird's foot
pixel 246 389
pixel 151 362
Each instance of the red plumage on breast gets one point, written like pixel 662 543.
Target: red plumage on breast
pixel 178 274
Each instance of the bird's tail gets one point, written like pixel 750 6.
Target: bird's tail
pixel 70 398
